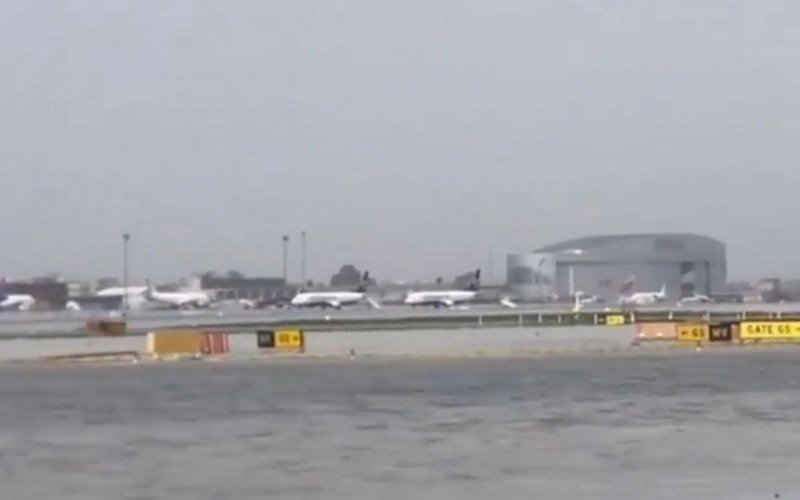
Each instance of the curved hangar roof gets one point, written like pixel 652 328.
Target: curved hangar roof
pixel 661 247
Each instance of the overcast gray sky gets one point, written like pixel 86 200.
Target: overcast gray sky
pixel 408 137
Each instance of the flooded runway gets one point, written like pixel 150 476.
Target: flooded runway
pixel 679 426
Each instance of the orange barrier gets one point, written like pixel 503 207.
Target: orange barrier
pixel 648 332
pixel 215 343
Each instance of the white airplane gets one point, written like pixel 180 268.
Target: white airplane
pixel 444 298
pixel 16 301
pixel 644 298
pixel 72 306
pixel 119 291
pixel 335 300
pixel 177 300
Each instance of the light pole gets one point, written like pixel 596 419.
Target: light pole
pixel 574 251
pixel 126 238
pixel 285 258
pixel 491 266
pixel 540 279
pixel 303 258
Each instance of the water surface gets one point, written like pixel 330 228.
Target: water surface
pixel 692 425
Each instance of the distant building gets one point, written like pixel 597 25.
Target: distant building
pixel 78 289
pixel 48 294
pixel 103 283
pixel 769 289
pixel 235 288
pixel 601 265
pixel 790 290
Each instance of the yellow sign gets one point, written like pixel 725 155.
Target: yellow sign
pixel 692 333
pixel 770 330
pixel 615 320
pixel 292 339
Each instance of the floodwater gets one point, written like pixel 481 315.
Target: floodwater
pixel 689 425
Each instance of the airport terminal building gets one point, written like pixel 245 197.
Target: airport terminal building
pixel 601 265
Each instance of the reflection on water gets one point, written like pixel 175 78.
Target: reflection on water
pixel 678 426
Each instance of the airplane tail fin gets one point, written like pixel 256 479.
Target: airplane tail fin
pixel 627 287
pixel 476 281
pixel 578 304
pixel 663 291
pixel 362 287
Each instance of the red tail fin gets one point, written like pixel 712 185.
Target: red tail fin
pixel 628 285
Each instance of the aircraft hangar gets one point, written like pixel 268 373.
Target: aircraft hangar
pixel 601 266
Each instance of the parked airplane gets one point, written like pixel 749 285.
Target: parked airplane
pixel 644 298
pixel 15 301
pixel 119 291
pixel 178 300
pixel 136 298
pixel 697 298
pixel 445 298
pixel 337 299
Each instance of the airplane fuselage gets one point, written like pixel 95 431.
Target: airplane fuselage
pixel 643 299
pixel 696 299
pixel 439 298
pixel 326 299
pixel 179 300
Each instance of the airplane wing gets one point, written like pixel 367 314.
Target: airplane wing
pixel 373 303
pixel 447 302
pixel 334 303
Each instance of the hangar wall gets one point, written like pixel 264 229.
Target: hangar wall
pixel 601 265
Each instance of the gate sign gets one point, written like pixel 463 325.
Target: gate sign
pixel 770 330
pixel 289 338
pixel 722 332
pixel 615 320
pixel 692 333
pixel 265 339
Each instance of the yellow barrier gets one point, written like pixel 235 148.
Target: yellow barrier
pixel 171 342
pixel 767 330
pixel 692 333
